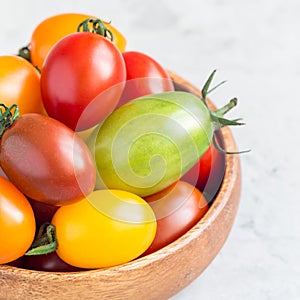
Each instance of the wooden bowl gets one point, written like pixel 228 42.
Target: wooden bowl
pixel 156 276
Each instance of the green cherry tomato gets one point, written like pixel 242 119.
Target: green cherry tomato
pixel 147 144
pixel 108 228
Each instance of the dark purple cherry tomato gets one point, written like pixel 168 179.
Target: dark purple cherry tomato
pixel 43 212
pixel 47 262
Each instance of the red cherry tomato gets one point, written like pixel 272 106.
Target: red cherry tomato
pixel 82 80
pixel 46 160
pixel 208 173
pixel 177 209
pixel 145 76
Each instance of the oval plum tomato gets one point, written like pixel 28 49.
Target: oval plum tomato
pixel 52 29
pixel 47 262
pixel 45 159
pixel 177 209
pixel 20 84
pixel 208 173
pixel 107 228
pixel 82 80
pixel 145 76
pixel 17 224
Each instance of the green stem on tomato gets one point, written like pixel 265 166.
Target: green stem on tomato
pixel 7 116
pixel 24 52
pixel 98 27
pixel 45 241
pixel 218 115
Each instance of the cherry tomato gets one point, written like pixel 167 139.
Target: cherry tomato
pixel 46 160
pixel 47 262
pixel 20 84
pixel 43 212
pixel 177 209
pixel 208 173
pixel 17 224
pixel 108 228
pixel 145 76
pixel 52 29
pixel 82 80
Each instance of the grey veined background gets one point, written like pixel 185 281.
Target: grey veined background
pixel 255 47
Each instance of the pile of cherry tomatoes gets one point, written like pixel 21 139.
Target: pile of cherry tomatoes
pixel 54 215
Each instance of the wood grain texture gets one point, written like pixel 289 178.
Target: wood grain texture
pixel 157 276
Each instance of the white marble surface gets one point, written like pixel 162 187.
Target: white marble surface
pixel 255 46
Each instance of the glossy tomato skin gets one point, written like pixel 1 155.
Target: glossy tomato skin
pixel 108 228
pixel 82 80
pixel 177 209
pixel 46 160
pixel 47 262
pixel 43 212
pixel 20 84
pixel 50 30
pixel 145 76
pixel 17 223
pixel 208 173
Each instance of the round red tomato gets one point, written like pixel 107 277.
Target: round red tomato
pixel 207 174
pixel 17 223
pixel 145 76
pixel 46 160
pixel 177 209
pixel 82 80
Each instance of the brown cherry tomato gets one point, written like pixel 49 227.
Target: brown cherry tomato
pixel 46 160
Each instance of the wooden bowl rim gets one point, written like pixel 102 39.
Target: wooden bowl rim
pixel 231 173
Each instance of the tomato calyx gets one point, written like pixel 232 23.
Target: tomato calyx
pixel 24 52
pixel 7 116
pixel 217 116
pixel 45 241
pixel 97 27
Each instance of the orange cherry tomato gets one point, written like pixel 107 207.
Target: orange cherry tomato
pixel 17 223
pixel 20 84
pixel 52 29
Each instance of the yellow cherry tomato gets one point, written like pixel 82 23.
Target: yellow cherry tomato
pixel 17 222
pixel 20 84
pixel 52 29
pixel 108 228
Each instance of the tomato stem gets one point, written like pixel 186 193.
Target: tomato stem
pixel 98 27
pixel 24 52
pixel 7 116
pixel 217 115
pixel 45 241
